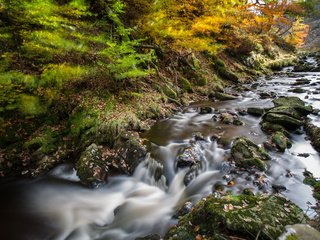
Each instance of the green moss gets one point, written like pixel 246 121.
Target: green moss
pixel 239 216
pixel 46 142
pixel 185 85
pixel 281 141
pixel 292 237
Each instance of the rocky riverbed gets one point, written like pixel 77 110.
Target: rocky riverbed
pixel 245 154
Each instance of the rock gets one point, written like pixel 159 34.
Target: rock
pixel 227 118
pixel 150 237
pixel 272 127
pixel 301 81
pixel 205 110
pixel 248 191
pixel 255 111
pixel 283 120
pixel 293 102
pixel 281 141
pixel 302 68
pixel 313 132
pixel 188 157
pixel 236 216
pixel 247 154
pixel 265 95
pixel 278 188
pixel 305 155
pixel 300 232
pixel 185 209
pixel 91 169
pixel 298 90
pixel 224 96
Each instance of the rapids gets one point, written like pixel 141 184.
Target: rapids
pixel 58 207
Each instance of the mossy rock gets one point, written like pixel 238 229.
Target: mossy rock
pixel 185 85
pixel 238 216
pixel 293 102
pixel 283 120
pixel 281 141
pixel 286 110
pixel 258 112
pixel 272 127
pixel 300 232
pixel 245 153
pixel 224 96
pixel 91 169
pixel 314 133
pixel 169 92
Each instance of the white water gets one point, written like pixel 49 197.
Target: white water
pixel 57 207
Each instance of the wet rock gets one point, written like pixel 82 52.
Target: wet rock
pixel 300 232
pixel 205 110
pixel 295 103
pixel 265 95
pixel 272 127
pixel 303 68
pixel 305 155
pixel 245 153
pixel 150 237
pixel 281 141
pixel 188 157
pixel 236 216
pixel 278 188
pixel 301 81
pixel 248 191
pixel 298 90
pixel 313 132
pixel 224 96
pixel 283 120
pixel 255 111
pixel 315 183
pixel 185 209
pixel 91 169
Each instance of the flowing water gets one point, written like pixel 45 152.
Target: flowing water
pixel 58 207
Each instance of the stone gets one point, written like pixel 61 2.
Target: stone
pixel 236 216
pixel 224 96
pixel 272 127
pixel 313 132
pixel 281 141
pixel 246 154
pixel 91 169
pixel 298 90
pixel 258 112
pixel 283 120
pixel 293 102
pixel 300 232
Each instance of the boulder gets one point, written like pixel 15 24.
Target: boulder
pixel 91 169
pixel 245 153
pixel 293 102
pixel 313 133
pixel 224 96
pixel 272 127
pixel 236 216
pixel 283 120
pixel 281 141
pixel 258 112
pixel 301 232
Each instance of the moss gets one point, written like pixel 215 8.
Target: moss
pixel 283 120
pixel 247 154
pixel 238 216
pixel 281 141
pixel 292 237
pixel 45 142
pixel 185 85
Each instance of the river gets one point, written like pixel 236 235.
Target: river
pixel 57 206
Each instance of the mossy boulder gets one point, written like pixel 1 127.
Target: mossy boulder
pixel 283 120
pixel 224 96
pixel 91 169
pixel 281 141
pixel 313 133
pixel 255 111
pixel 245 153
pixel 240 216
pixel 295 103
pixel 300 232
pixel 272 127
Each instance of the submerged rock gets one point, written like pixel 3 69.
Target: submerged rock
pixel 245 153
pixel 91 169
pixel 237 216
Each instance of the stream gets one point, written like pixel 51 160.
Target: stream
pixel 57 206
